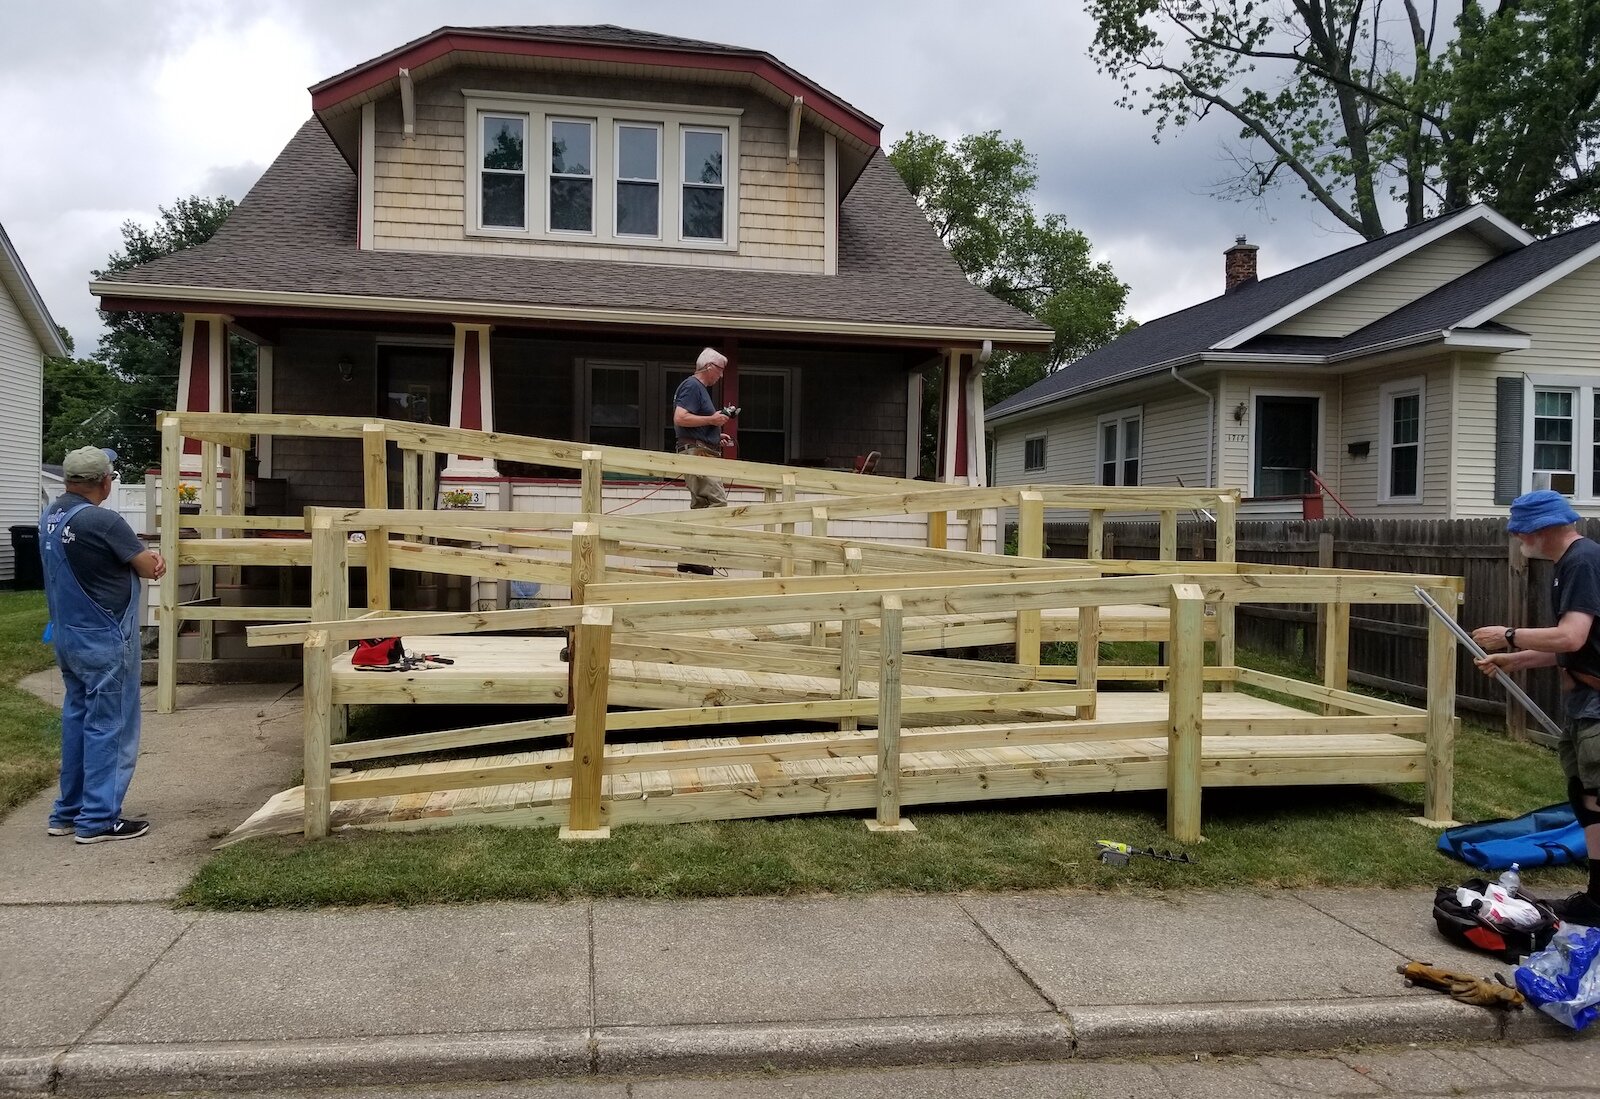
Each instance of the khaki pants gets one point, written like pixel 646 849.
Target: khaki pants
pixel 704 492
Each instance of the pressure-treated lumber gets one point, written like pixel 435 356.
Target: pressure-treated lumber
pixel 591 672
pixel 1030 543
pixel 318 734
pixel 1186 694
pixel 891 621
pixel 1439 798
pixel 167 611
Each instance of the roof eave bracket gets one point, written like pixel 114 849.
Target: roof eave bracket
pixel 794 128
pixel 408 104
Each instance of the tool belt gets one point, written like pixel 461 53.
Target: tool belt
pixel 1571 678
pixel 700 450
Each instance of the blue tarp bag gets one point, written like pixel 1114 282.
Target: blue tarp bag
pixel 1563 979
pixel 1545 837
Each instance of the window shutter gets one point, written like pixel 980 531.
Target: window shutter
pixel 1508 438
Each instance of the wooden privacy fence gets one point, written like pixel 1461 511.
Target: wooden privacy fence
pixel 1388 644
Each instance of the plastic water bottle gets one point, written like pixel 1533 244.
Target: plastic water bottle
pixel 1511 880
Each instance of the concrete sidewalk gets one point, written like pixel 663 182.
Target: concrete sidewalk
pixel 110 990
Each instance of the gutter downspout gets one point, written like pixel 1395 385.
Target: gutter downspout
pixel 1211 424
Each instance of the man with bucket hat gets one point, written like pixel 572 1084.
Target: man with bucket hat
pixel 92 566
pixel 1546 525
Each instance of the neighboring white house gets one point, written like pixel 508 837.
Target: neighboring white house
pixel 1433 373
pixel 27 337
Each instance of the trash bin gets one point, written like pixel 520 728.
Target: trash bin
pixel 28 567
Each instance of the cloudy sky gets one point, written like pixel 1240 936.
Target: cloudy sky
pixel 115 107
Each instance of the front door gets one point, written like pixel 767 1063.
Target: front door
pixel 1287 444
pixel 414 385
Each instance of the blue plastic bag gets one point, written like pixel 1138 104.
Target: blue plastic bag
pixel 49 632
pixel 1562 980
pixel 1550 836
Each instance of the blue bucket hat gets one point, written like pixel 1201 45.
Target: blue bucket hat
pixel 1536 510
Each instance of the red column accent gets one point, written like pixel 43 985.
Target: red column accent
pixel 471 386
pixel 730 391
pixel 198 398
pixel 962 365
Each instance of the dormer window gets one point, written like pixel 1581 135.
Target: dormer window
pixel 638 180
pixel 571 175
pixel 504 176
pixel 631 174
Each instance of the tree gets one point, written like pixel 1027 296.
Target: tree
pixel 1366 110
pixel 143 350
pixel 977 193
pixel 81 402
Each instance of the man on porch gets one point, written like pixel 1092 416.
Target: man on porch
pixel 697 428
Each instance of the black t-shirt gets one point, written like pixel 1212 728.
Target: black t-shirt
pixel 693 397
pixel 1576 587
pixel 99 548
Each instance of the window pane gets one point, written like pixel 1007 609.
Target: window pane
pixel 1407 418
pixel 762 446
pixel 569 149
pixel 1552 431
pixel 502 143
pixel 639 209
pixel 1130 471
pixel 636 152
pixel 1130 439
pixel 1403 471
pixel 572 204
pixel 702 156
pixel 1033 454
pixel 614 407
pixel 1108 473
pixel 702 213
pixel 1552 456
pixel 1552 402
pixel 503 200
pixel 761 399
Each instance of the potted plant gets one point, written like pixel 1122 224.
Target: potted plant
pixel 456 498
pixel 188 498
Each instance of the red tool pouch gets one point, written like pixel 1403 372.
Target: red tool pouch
pixel 378 651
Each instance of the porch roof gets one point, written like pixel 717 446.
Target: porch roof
pixel 291 246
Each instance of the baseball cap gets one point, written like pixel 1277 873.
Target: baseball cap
pixel 88 463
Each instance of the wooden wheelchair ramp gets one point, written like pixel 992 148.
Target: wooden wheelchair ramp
pixel 1123 748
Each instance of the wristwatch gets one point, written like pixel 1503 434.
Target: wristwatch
pixel 1511 639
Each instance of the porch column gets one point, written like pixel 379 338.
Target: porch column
pixel 471 397
pixel 202 376
pixel 961 419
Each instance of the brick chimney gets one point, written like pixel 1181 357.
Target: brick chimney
pixel 1239 265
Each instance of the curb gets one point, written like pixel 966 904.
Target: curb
pixel 698 1049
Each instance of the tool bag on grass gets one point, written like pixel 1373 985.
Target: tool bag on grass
pixel 1550 836
pixel 378 653
pixel 1474 929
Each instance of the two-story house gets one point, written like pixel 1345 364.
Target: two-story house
pixel 536 229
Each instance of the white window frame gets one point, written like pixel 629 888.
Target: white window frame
pixel 604 114
pixel 548 177
pixel 1583 435
pixel 684 184
pixel 1387 394
pixel 1322 426
pixel 1044 453
pixel 617 178
pixel 478 120
pixel 1120 419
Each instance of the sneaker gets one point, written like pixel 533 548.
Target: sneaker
pixel 121 830
pixel 1580 908
pixel 54 829
pixel 698 570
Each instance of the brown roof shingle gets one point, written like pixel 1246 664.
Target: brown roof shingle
pixel 295 232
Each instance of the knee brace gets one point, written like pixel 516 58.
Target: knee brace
pixel 1576 797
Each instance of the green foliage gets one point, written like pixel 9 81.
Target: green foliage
pixel 30 731
pixel 1356 104
pixel 81 399
pixel 143 350
pixel 978 194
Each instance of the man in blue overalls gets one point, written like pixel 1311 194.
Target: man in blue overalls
pixel 92 566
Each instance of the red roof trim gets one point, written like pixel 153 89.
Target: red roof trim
pixel 333 92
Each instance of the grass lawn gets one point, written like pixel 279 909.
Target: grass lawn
pixel 1264 838
pixel 30 731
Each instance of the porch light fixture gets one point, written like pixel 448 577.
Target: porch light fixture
pixel 1238 412
pixel 347 368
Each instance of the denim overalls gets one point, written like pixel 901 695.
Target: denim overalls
pixel 99 660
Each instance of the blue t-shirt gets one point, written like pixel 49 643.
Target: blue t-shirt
pixel 99 545
pixel 693 397
pixel 1576 587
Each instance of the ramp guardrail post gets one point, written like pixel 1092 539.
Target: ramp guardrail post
pixel 591 676
pixel 891 634
pixel 1185 697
